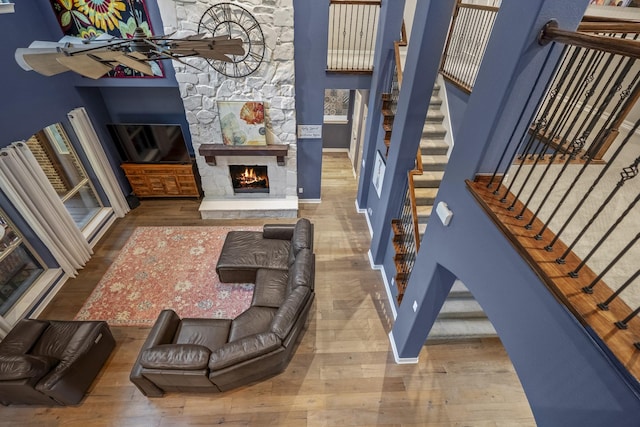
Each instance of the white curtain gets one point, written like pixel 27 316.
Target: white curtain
pixel 27 187
pixel 99 162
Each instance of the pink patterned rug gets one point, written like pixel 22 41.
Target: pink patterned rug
pixel 167 267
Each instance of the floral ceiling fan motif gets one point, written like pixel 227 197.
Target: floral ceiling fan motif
pixel 88 19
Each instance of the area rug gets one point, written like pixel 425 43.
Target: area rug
pixel 167 267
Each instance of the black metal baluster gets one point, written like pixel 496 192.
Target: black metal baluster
pixel 462 30
pixel 605 304
pixel 600 138
pixel 589 289
pixel 573 149
pixel 627 173
pixel 623 324
pixel 552 94
pixel 606 235
pixel 586 195
pixel 542 123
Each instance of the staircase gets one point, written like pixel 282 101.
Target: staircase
pixel 461 316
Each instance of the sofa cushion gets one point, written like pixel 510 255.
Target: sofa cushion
pixel 248 249
pixel 278 231
pixel 175 356
pixel 210 333
pixel 289 311
pixel 252 321
pixel 271 286
pixel 20 366
pixel 243 349
pixel 22 336
pixel 65 340
pixel 300 271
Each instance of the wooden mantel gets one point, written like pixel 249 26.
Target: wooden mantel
pixel 210 151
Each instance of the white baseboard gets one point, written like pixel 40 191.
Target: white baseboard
pixel 309 201
pixel 335 150
pixel 400 360
pixel 387 286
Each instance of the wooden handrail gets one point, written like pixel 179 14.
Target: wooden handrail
pixel 477 7
pixel 609 27
pixel 396 49
pixel 596 18
pixel 414 207
pixel 551 32
pixel 364 2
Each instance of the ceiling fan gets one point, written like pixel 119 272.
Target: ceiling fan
pixel 95 57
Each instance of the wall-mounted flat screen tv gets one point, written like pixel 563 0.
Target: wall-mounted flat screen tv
pixel 150 143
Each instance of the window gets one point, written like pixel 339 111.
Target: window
pixel 19 268
pixel 58 160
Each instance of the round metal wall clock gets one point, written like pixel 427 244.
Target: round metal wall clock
pixel 236 22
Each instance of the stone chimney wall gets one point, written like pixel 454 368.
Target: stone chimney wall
pixel 272 83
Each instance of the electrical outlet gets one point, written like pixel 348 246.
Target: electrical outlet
pixel 393 281
pixel 415 306
pixel 363 162
pixel 369 211
pixel 300 190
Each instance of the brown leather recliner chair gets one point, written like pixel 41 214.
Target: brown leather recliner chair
pixel 52 362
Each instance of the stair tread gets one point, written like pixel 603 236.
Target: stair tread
pixel 461 307
pixel 424 210
pixel 436 147
pixel 433 128
pixel 429 175
pixel 461 329
pixel 426 191
pixel 434 163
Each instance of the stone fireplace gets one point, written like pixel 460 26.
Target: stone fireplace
pixel 272 84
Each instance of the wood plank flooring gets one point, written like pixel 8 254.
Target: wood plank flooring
pixel 343 373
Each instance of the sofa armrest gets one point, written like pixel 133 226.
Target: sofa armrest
pixel 243 349
pixel 23 366
pixel 278 231
pixel 86 350
pixel 162 332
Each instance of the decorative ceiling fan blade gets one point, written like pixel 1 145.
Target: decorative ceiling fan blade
pixel 42 63
pixel 138 55
pixel 140 66
pixel 176 58
pixel 85 65
pixel 213 54
pixel 107 55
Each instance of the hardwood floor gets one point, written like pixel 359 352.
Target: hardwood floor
pixel 343 373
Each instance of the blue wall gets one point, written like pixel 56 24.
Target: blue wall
pixel 457 100
pixel 567 377
pixel 311 38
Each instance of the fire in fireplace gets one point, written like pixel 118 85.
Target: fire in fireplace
pixel 249 179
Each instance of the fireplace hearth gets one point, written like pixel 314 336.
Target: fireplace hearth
pixel 249 179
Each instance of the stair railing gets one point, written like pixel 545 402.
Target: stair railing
pixel 406 227
pixel 572 216
pixel 469 33
pixel 353 25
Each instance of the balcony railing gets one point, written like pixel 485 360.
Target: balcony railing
pixel 353 26
pixel 572 216
pixel 469 34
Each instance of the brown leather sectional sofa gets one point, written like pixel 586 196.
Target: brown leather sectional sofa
pixel 214 355
pixel 52 362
